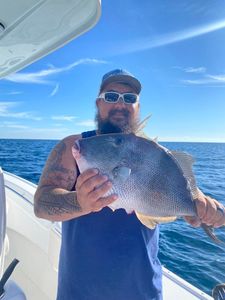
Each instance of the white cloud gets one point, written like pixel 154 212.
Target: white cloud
pixel 5 111
pixel 40 77
pixel 64 118
pixel 55 90
pixel 197 81
pixel 167 39
pixel 209 80
pixel 195 70
pixel 35 133
pixel 9 124
pixel 218 78
pixel 13 93
pixel 16 126
pixel 86 123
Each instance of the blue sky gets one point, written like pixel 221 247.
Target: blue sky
pixel 175 48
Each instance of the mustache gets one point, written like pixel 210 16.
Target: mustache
pixel 114 111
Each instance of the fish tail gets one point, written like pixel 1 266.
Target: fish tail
pixel 209 230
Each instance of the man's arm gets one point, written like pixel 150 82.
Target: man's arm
pixel 54 199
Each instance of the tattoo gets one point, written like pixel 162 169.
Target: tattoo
pixel 58 203
pixel 54 195
pixel 55 173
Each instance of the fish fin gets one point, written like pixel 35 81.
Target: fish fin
pixel 121 173
pixel 141 125
pixel 151 222
pixel 218 291
pixel 185 161
pixel 210 232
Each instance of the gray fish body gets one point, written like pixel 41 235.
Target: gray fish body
pixel 147 178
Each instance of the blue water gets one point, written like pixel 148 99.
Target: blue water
pixel 184 250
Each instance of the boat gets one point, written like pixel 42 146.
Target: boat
pixel 31 29
pixel 34 242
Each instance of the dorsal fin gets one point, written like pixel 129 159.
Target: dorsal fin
pixel 185 161
pixel 142 125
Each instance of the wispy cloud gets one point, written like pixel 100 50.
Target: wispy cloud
pixel 55 90
pixel 12 93
pixel 64 118
pixel 42 76
pixel 209 80
pixel 195 70
pixel 14 126
pixel 218 78
pixel 86 123
pixel 5 111
pixel 170 38
pixel 34 132
pixel 204 79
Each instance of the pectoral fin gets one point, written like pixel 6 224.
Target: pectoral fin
pixel 121 173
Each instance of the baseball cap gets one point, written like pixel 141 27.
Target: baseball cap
pixel 119 75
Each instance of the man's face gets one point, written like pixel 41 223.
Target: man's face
pixel 119 116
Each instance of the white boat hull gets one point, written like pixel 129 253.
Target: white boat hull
pixel 36 243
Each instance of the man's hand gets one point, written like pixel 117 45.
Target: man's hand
pixel 209 211
pixel 91 188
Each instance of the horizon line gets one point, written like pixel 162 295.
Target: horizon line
pixel 160 141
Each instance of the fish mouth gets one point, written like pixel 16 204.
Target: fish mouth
pixel 76 150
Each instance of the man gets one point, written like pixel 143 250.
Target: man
pixel 104 254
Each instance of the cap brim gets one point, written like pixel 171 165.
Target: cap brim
pixel 122 78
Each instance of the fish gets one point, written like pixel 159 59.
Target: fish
pixel 149 179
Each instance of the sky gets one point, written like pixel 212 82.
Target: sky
pixel 176 48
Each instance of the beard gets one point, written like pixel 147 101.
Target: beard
pixel 117 124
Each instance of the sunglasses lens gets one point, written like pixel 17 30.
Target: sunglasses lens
pixel 111 97
pixel 130 98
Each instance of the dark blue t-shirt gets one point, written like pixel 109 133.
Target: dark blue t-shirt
pixel 109 255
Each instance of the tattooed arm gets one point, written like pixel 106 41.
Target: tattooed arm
pixel 54 199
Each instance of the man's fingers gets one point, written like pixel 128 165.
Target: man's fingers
pixel 100 191
pixel 201 206
pixel 85 176
pixel 103 202
pixel 220 217
pixel 211 211
pixel 194 221
pixel 93 183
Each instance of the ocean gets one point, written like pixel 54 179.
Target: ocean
pixel 184 250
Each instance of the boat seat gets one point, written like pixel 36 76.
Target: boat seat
pixel 11 290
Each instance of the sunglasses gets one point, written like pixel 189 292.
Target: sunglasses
pixel 113 97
